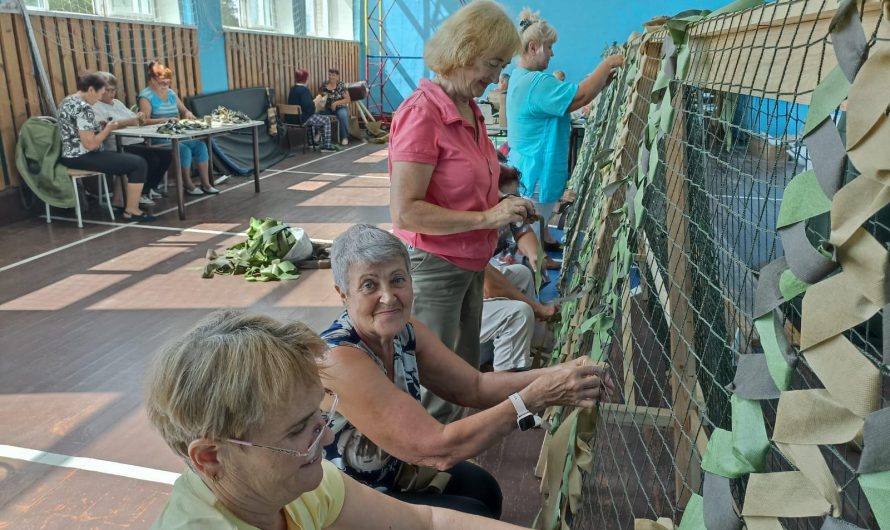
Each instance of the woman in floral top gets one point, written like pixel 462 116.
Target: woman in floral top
pixel 82 136
pixel 337 102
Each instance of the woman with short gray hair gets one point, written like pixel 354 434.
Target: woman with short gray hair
pixel 379 355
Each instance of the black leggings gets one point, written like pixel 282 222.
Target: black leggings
pixel 158 161
pixel 134 167
pixel 471 490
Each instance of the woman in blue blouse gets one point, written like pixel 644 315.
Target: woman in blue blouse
pixel 161 104
pixel 539 106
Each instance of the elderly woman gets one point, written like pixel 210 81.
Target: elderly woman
pixel 109 108
pixel 299 95
pixel 238 399
pixel 161 104
pixel 336 102
pixel 82 137
pixel 540 107
pixel 444 179
pixel 380 356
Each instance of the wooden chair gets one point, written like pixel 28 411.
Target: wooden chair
pixel 76 174
pixel 293 131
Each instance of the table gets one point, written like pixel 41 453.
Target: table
pixel 151 131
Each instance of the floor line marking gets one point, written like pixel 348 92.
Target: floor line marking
pixel 342 175
pixel 129 225
pixel 59 249
pixel 146 226
pixel 106 467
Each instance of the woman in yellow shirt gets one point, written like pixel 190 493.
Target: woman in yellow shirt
pixel 238 399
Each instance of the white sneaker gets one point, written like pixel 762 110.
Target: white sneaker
pixel 145 200
pixel 154 194
pixel 194 191
pixel 220 179
pixel 210 191
pixel 344 142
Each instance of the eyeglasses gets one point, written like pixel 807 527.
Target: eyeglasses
pixel 327 417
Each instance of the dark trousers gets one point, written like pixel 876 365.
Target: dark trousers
pixel 471 490
pixel 111 163
pixel 158 161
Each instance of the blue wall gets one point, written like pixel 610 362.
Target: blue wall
pixel 211 46
pixel 585 28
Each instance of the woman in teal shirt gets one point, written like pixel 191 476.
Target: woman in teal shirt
pixel 539 106
pixel 161 104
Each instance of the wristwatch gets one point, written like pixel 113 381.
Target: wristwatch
pixel 524 418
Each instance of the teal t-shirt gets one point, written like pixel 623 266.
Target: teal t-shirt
pixel 539 131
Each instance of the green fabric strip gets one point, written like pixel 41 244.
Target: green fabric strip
pixel 775 359
pixel 720 459
pixel 803 198
pixel 750 441
pixel 877 488
pixel 829 94
pixel 791 286
pixel 694 515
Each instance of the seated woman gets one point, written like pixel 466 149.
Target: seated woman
pixel 237 398
pixel 82 138
pixel 300 95
pixel 336 102
pixel 160 104
pixel 108 108
pixel 380 356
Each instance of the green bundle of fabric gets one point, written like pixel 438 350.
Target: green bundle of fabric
pixel 261 257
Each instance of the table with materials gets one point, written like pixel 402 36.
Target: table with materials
pixel 151 132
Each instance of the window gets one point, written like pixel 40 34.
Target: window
pixel 259 14
pixel 329 18
pixel 42 5
pixel 167 11
pixel 130 8
pixel 263 15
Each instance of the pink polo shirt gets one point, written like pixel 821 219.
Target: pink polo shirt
pixel 428 129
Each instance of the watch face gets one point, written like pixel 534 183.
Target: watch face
pixel 526 422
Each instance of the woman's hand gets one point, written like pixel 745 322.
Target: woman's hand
pixel 140 118
pixel 575 383
pixel 544 312
pixel 614 62
pixel 189 115
pixel 509 210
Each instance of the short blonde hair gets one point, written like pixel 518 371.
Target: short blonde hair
pixel 479 28
pixel 220 379
pixel 533 28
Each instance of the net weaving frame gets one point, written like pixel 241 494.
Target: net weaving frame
pixel 690 197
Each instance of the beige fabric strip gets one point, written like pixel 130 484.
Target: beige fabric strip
pixel 812 417
pixel 808 460
pixel 847 374
pixel 786 494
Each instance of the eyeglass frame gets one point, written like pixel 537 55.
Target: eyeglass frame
pixel 313 447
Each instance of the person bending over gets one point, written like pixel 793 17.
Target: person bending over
pixel 82 137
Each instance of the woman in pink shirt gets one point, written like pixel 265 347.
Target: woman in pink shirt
pixel 444 179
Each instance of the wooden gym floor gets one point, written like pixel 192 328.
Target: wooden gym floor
pixel 82 310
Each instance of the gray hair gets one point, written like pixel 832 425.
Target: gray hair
pixel 110 79
pixel 365 244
